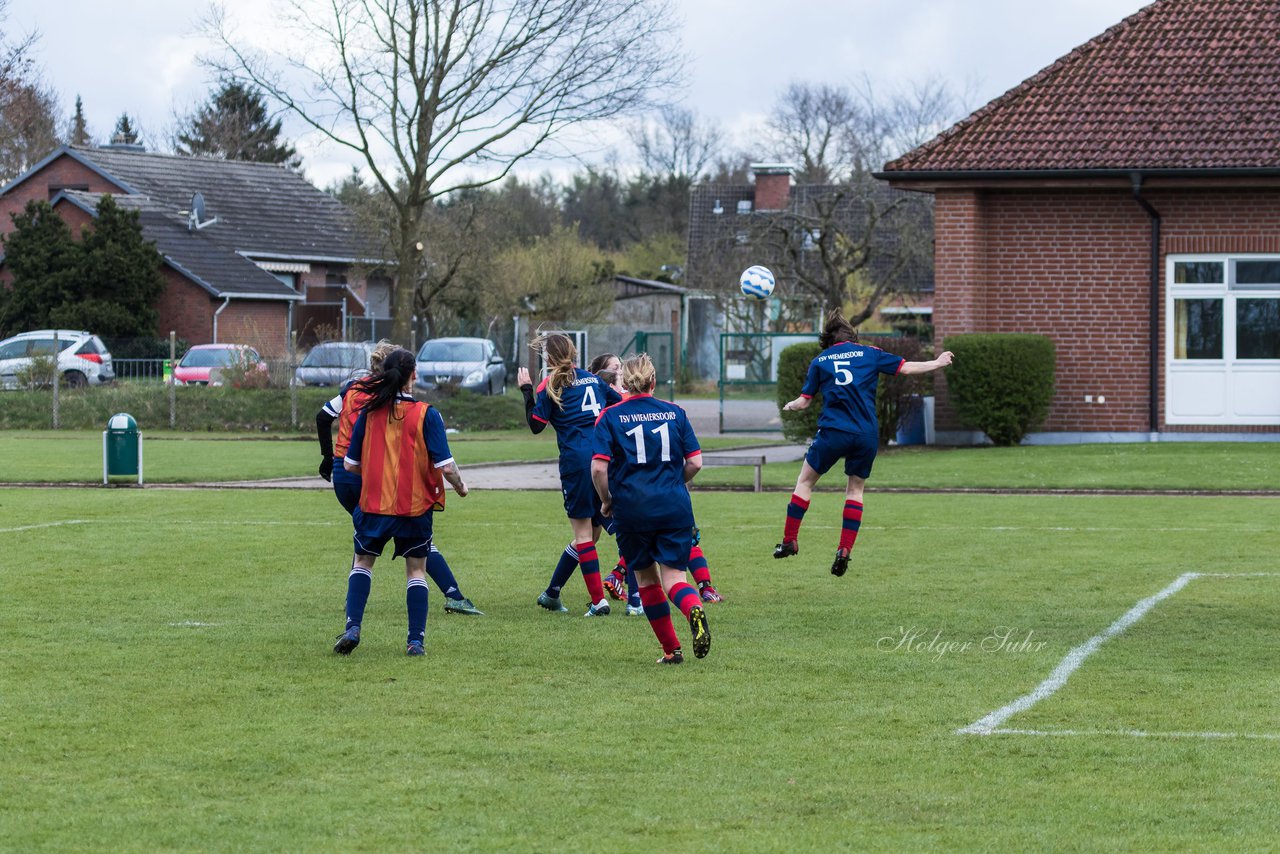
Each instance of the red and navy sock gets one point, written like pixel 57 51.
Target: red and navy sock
pixel 358 584
pixel 659 614
pixel 415 600
pixel 698 566
pixel 795 515
pixel 685 597
pixel 852 522
pixel 564 570
pixel 590 563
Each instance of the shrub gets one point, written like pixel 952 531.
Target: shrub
pixel 468 411
pixel 38 373
pixel 895 394
pixel 793 364
pixel 1001 384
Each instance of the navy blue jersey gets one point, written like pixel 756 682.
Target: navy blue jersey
pixel 847 375
pixel 646 441
pixel 581 403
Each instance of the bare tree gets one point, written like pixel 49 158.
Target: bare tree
pixel 28 108
pixel 676 143
pixel 436 96
pixel 818 126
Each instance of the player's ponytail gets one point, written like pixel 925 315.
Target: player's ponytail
pixel 561 356
pixel 638 375
pixel 837 330
pixel 383 386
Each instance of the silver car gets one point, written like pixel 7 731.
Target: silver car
pixel 82 357
pixel 469 363
pixel 334 363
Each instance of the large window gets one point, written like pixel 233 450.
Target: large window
pixel 1223 340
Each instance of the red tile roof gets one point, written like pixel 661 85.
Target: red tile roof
pixel 1180 84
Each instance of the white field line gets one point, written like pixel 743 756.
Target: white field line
pixel 991 723
pixel 43 525
pixel 1137 733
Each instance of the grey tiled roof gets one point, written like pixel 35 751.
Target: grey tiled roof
pixel 262 208
pixel 206 262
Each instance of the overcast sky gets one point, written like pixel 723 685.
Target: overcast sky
pixel 743 52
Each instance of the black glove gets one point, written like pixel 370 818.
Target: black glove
pixel 326 468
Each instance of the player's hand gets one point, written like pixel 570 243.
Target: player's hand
pixel 606 507
pixel 945 358
pixel 326 468
pixel 523 378
pixel 461 488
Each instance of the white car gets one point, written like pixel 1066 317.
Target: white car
pixel 82 357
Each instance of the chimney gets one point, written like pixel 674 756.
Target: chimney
pixel 773 185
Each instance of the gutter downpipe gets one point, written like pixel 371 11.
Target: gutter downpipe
pixel 1153 385
pixel 225 302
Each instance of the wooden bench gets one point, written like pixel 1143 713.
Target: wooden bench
pixel 709 459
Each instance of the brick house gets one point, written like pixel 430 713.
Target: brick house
pixel 774 221
pixel 271 254
pixel 1125 202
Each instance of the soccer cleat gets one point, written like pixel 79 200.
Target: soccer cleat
pixel 635 610
pixel 600 609
pixel 709 593
pixel 615 585
pixel 676 657
pixel 786 548
pixel 701 632
pixel 347 641
pixel 551 603
pixel 841 563
pixel 414 648
pixel 461 606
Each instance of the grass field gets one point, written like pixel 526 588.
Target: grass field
pixel 168 682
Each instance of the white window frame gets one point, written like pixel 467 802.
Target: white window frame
pixel 1236 375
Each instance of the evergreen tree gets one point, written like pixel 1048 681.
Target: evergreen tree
pixel 118 279
pixel 125 132
pixel 78 128
pixel 234 125
pixel 44 260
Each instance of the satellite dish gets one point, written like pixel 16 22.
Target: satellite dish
pixel 195 218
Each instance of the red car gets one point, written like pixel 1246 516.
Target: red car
pixel 204 363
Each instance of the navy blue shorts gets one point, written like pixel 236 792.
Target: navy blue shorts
pixel 411 533
pixel 580 498
pixel 669 547
pixel 829 446
pixel 346 485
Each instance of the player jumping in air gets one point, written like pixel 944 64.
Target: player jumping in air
pixel 399 448
pixel 846 373
pixel 570 399
pixel 344 408
pixel 645 453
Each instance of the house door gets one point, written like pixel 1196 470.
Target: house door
pixel 1223 340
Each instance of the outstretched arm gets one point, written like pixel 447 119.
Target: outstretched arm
pixel 944 359
pixel 799 403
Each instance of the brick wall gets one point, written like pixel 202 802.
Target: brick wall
pixel 43 185
pixel 1074 265
pixel 262 324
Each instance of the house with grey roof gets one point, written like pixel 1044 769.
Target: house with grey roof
pixel 252 252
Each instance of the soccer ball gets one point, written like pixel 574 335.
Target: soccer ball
pixel 756 282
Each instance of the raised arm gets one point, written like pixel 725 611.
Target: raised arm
pixel 944 359
pixel 526 388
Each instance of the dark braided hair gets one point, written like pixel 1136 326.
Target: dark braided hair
pixel 383 386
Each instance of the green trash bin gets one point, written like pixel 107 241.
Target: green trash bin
pixel 121 447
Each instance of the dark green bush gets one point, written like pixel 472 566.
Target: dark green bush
pixel 895 393
pixel 793 364
pixel 468 411
pixel 1001 384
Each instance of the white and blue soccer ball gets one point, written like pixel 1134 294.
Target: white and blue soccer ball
pixel 756 282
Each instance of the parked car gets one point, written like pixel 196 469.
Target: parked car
pixel 470 363
pixel 334 362
pixel 203 364
pixel 82 357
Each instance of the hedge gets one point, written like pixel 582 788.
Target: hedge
pixel 1001 383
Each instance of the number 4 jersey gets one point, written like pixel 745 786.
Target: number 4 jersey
pixel 581 403
pixel 847 375
pixel 646 441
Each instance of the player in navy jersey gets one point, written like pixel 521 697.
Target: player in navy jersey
pixel 846 373
pixel 570 399
pixel 344 408
pixel 645 455
pixel 399 447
